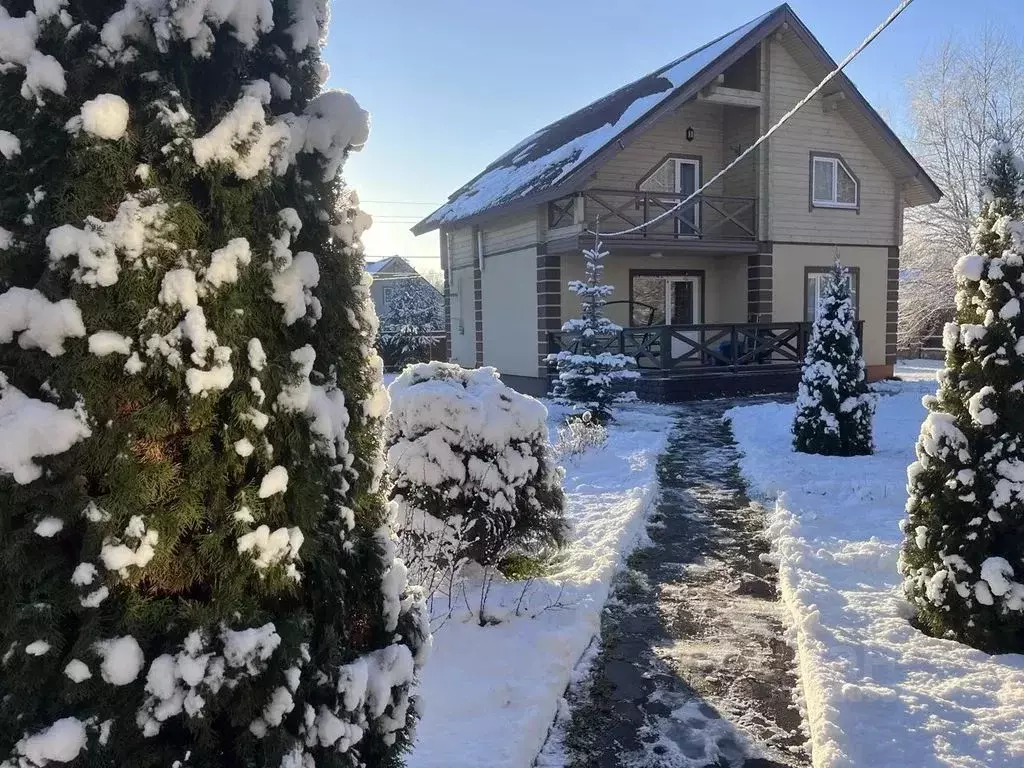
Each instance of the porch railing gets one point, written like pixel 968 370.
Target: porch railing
pixel 704 348
pixel 707 217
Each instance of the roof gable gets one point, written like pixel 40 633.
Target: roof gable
pixel 543 166
pixel 549 157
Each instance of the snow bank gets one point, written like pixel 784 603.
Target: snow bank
pixel 877 692
pixel 511 675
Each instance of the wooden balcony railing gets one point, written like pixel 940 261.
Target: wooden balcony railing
pixel 707 217
pixel 704 348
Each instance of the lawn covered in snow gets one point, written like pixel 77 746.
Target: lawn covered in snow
pixel 489 694
pixel 878 693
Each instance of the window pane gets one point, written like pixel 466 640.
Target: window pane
pixel 682 302
pixel 846 187
pixel 810 311
pixel 648 293
pixel 662 180
pixel 823 173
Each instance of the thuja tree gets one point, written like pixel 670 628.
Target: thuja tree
pixel 834 405
pixel 407 325
pixel 196 568
pixel 589 377
pixel 963 557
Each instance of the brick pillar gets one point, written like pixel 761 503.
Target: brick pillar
pixel 892 304
pixel 478 313
pixel 759 286
pixel 549 304
pixel 446 270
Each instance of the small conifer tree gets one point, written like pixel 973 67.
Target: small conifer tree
pixel 589 377
pixel 411 319
pixel 963 556
pixel 834 405
pixel 196 566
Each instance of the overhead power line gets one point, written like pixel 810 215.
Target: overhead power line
pixel 814 91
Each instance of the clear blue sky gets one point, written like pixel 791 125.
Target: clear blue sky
pixel 452 84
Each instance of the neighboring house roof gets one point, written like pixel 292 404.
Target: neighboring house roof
pixel 556 160
pixel 396 267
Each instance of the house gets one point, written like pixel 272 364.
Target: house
pixel 393 277
pixel 716 295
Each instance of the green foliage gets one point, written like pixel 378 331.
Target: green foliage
pixel 834 405
pixel 164 454
pixel 963 556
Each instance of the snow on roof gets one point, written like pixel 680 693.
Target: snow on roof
pixel 548 156
pixel 373 267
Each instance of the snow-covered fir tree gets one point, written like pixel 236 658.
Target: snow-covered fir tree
pixel 834 405
pixel 410 319
pixel 589 377
pixel 963 556
pixel 473 473
pixel 196 565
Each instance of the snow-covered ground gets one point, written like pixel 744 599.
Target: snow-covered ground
pixel 878 693
pixel 490 694
pixel 917 370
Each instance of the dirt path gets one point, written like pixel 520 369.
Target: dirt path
pixel 693 671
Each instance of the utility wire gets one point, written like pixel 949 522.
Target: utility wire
pixel 814 91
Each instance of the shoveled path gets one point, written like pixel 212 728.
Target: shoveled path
pixel 693 671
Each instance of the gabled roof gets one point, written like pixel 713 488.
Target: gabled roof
pixel 555 160
pixel 390 264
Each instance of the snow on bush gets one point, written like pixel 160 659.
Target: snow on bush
pixel 472 471
pixel 963 553
pixel 579 435
pixel 589 377
pixel 834 405
pixel 105 117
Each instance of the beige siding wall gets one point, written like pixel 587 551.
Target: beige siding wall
pixel 510 312
pixel 665 137
pixel 463 330
pixel 725 283
pixel 462 249
pixel 790 263
pixel 789 168
pixel 519 231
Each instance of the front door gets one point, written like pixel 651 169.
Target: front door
pixel 683 307
pixel 687 181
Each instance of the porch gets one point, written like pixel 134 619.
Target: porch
pixel 698 360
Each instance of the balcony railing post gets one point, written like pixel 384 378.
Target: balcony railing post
pixel 644 230
pixel 733 341
pixel 622 341
pixel 665 345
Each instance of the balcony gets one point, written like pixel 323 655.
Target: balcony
pixel 707 221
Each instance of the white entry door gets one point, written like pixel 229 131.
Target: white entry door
pixel 687 180
pixel 683 307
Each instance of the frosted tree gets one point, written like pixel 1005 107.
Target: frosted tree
pixel 411 318
pixel 834 405
pixel 589 377
pixel 963 556
pixel 196 564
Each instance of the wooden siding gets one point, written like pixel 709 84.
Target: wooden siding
pixel 667 136
pixel 462 251
pixel 811 128
pixel 509 233
pixel 739 131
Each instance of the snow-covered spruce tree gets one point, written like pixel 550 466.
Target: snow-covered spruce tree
pixel 834 405
pixel 472 469
pixel 405 329
pixel 963 556
pixel 196 567
pixel 589 377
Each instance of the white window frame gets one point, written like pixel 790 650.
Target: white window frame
pixel 836 162
pixel 820 275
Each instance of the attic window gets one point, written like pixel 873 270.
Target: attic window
pixel 833 184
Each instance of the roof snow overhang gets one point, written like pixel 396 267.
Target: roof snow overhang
pixel 558 159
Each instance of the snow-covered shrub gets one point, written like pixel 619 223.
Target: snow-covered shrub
pixel 963 555
pixel 834 405
pixel 589 377
pixel 195 562
pixel 472 471
pixel 580 434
